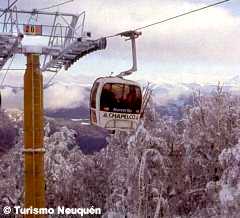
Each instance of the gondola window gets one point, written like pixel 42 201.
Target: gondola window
pixel 120 98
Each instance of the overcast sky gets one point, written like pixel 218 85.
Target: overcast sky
pixel 202 47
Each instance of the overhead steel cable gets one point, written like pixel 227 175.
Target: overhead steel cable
pixel 181 15
pixel 48 83
pixel 7 70
pixel 158 22
pixel 9 6
pixel 13 69
pixel 174 17
pixel 54 6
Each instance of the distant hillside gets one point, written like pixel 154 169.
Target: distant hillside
pixel 89 138
pixel 8 133
pixel 81 112
pixel 173 108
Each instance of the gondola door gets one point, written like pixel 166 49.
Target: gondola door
pixel 94 104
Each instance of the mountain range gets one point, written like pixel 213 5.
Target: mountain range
pixel 168 98
pixel 74 96
pixel 169 101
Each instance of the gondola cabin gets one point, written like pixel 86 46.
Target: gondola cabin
pixel 115 103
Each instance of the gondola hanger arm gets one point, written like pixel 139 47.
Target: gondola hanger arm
pixel 131 35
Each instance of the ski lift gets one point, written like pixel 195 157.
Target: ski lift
pixel 115 102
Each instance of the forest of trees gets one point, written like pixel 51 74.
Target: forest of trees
pixel 168 168
pixel 8 133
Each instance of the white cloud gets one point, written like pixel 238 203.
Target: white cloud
pixel 11 99
pixel 207 36
pixel 60 95
pixel 63 96
pixel 202 47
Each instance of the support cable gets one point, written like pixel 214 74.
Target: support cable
pixel 136 29
pixel 50 80
pixel 9 6
pixel 157 23
pixel 173 18
pixel 7 70
pixel 54 6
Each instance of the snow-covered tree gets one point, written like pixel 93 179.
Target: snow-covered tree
pixel 8 132
pixel 140 167
pixel 166 168
pixel 211 126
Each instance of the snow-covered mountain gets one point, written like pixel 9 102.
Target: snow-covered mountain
pixel 70 99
